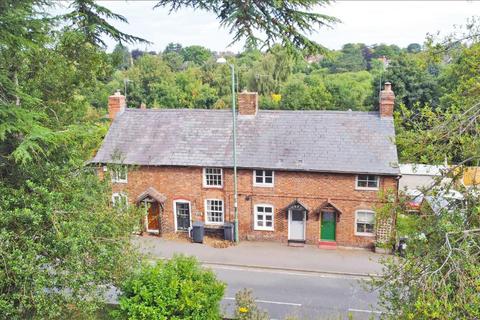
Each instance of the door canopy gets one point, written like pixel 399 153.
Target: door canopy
pixel 297 205
pixel 328 205
pixel 152 194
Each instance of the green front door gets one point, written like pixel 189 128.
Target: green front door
pixel 328 226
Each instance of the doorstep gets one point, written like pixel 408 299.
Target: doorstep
pixel 329 245
pixel 296 243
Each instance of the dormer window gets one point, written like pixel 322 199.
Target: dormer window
pixel 367 182
pixel 263 178
pixel 213 177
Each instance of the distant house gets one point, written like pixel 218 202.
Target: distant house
pixel 304 176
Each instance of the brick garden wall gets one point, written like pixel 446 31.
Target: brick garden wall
pixel 311 189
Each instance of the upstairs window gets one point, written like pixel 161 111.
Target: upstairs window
pixel 119 200
pixel 263 178
pixel 367 182
pixel 119 174
pixel 213 211
pixel 263 217
pixel 213 177
pixel 364 223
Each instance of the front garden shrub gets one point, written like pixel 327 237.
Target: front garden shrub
pixel 176 289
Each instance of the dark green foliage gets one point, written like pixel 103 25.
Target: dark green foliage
pixel 287 22
pixel 196 54
pixel 411 81
pixel 175 289
pixel 120 57
pixel 414 48
pixel 91 19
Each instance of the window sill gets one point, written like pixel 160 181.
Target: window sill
pixel 366 189
pixel 120 181
pixel 261 229
pixel 214 224
pixel 260 185
pixel 364 234
pixel 213 187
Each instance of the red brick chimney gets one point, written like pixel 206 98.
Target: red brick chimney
pixel 247 103
pixel 387 100
pixel 116 105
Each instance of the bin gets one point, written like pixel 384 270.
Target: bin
pixel 198 232
pixel 228 231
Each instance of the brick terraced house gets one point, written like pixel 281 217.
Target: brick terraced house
pixel 303 176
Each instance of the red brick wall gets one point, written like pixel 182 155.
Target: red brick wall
pixel 311 189
pixel 247 103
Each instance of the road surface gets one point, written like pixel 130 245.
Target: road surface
pixel 302 295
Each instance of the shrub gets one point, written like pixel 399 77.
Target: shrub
pixel 176 289
pixel 246 307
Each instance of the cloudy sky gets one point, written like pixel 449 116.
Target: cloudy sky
pixel 392 22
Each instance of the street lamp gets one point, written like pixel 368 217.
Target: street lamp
pixel 222 60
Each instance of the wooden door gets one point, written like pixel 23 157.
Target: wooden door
pixel 153 217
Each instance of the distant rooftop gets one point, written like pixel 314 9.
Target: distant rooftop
pixel 422 169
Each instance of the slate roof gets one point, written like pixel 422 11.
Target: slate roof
pixel 324 141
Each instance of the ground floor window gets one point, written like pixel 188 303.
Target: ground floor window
pixel 263 217
pixel 364 222
pixel 214 211
pixel 119 200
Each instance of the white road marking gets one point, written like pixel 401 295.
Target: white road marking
pixel 366 311
pixel 291 273
pixel 271 302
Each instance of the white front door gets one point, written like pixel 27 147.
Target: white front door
pixel 296 225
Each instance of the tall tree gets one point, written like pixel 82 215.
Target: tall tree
pixel 91 19
pixel 286 21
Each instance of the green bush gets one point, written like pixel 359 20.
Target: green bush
pixel 176 289
pixel 246 307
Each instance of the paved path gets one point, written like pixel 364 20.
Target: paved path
pixel 268 255
pixel 301 295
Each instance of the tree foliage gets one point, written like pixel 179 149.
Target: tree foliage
pixel 440 276
pixel 176 289
pixel 288 22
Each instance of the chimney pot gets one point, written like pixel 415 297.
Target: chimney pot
pixel 387 101
pixel 247 103
pixel 116 104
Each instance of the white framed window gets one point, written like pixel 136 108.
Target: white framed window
pixel 364 223
pixel 120 174
pixel 214 211
pixel 119 200
pixel 213 177
pixel 263 219
pixel 263 178
pixel 367 182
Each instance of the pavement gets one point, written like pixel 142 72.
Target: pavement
pixel 268 256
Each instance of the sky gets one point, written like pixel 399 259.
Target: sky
pixel 369 22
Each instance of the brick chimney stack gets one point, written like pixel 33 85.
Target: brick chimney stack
pixel 116 105
pixel 387 100
pixel 247 103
